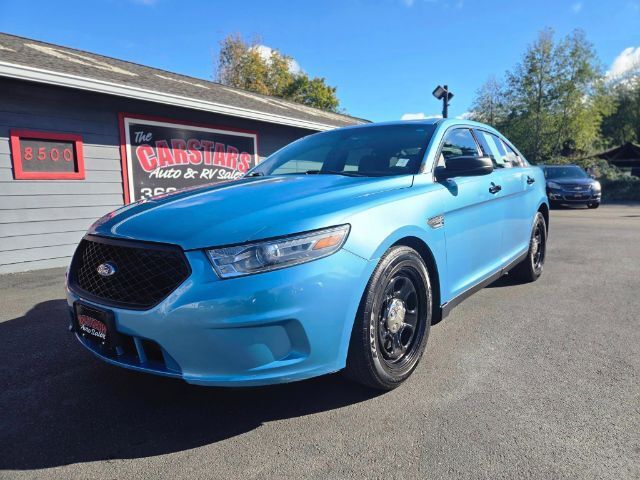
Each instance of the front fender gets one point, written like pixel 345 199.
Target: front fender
pixel 375 230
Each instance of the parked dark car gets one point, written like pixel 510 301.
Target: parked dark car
pixel 571 185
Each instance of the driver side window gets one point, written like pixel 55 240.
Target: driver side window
pixel 457 143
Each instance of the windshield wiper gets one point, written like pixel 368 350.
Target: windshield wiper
pixel 255 174
pixel 334 172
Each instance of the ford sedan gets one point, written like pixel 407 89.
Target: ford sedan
pixel 338 252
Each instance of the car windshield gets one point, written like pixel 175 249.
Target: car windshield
pixel 367 151
pixel 571 171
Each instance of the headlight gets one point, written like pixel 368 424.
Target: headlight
pixel 595 186
pixel 278 253
pixel 554 185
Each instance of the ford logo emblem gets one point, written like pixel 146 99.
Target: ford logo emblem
pixel 106 269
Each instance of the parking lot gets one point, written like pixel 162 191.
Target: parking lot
pixel 521 381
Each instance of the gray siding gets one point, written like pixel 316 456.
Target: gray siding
pixel 42 221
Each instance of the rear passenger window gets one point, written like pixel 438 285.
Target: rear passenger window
pixel 493 147
pixel 502 155
pixel 514 158
pixel 457 143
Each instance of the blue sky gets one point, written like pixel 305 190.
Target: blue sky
pixel 385 56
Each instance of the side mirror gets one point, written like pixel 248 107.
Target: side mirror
pixel 592 176
pixel 465 167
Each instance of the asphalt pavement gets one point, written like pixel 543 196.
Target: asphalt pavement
pixel 521 381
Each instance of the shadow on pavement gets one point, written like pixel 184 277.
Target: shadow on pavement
pixel 61 405
pixel 503 281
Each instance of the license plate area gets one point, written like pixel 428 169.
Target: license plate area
pixel 96 325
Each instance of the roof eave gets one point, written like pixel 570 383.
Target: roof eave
pixel 32 74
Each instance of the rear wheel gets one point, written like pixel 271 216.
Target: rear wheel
pixel 530 269
pixel 392 325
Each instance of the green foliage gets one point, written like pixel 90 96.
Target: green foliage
pixel 313 92
pixel 241 65
pixel 623 123
pixel 558 108
pixel 551 102
pixel 531 95
pixel 489 106
pixel 623 189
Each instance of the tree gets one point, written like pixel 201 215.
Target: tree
pixel 531 91
pixel 579 110
pixel 489 104
pixel 279 76
pixel 242 65
pixel 551 102
pixel 313 92
pixel 622 124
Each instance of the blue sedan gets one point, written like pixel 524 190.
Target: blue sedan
pixel 338 252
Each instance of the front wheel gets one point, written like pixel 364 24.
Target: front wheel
pixel 530 269
pixel 392 325
pixel 594 205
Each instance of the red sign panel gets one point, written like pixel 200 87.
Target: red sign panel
pixel 162 155
pixel 46 156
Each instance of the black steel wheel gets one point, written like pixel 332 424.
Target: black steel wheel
pixel 530 269
pixel 391 329
pixel 398 318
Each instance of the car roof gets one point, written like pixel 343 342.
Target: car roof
pixel 440 123
pixel 424 121
pixel 444 122
pixel 558 166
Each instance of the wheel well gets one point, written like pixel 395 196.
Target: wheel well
pixel 545 213
pixel 434 277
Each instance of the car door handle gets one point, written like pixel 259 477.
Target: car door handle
pixel 530 180
pixel 494 188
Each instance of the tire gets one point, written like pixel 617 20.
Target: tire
pixel 530 269
pixel 392 324
pixel 593 205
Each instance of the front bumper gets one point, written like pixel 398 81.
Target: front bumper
pixel 560 197
pixel 272 327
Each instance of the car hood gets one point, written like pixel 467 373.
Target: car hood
pixel 246 209
pixel 571 181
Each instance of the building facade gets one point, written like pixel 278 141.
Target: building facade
pixel 82 134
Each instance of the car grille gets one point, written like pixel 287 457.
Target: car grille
pixel 145 273
pixel 576 188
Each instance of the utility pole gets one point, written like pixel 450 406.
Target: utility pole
pixel 443 93
pixel 445 103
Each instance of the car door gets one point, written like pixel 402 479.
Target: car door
pixel 512 177
pixel 472 216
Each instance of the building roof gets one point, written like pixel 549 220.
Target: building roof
pixel 32 60
pixel 626 155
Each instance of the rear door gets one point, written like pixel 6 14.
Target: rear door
pixel 531 181
pixel 511 175
pixel 472 217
